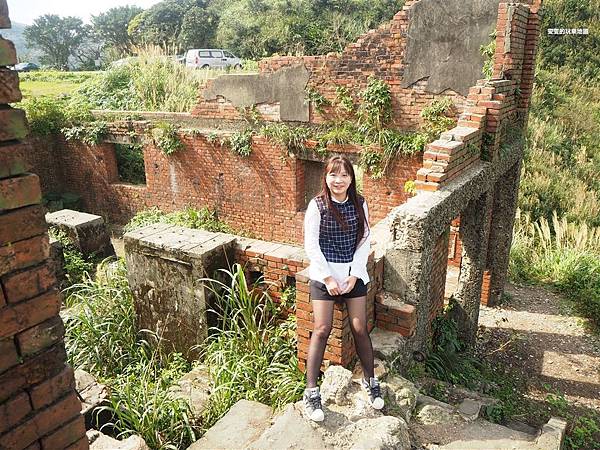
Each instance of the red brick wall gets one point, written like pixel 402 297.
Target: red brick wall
pixel 263 193
pixel 39 407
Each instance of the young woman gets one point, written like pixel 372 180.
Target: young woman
pixel 337 242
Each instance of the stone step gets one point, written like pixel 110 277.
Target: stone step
pixel 238 429
pixel 392 314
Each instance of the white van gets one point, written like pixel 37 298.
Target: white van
pixel 215 58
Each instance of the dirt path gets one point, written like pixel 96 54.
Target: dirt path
pixel 534 333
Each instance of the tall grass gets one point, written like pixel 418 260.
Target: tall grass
pixel 102 338
pixel 252 353
pixel 560 253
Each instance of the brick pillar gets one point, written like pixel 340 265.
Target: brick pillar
pixel 39 407
pixel 503 218
pixel 340 348
pixel 474 233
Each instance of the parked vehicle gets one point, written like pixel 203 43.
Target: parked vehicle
pixel 26 67
pixel 214 58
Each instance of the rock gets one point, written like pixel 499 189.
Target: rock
pixel 388 345
pixel 290 430
pixel 380 370
pixel 100 441
pixel 237 429
pixel 93 395
pixel 469 409
pixel 433 412
pixel 434 415
pixel 193 387
pixel 336 383
pixel 401 397
pixel 362 407
pixel 380 433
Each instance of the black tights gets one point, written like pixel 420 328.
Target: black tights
pixel 323 319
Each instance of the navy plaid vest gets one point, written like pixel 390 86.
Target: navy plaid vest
pixel 338 245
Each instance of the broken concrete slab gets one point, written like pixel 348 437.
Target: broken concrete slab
pixel 285 86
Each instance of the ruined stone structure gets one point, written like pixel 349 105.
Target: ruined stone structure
pixel 463 214
pixel 39 407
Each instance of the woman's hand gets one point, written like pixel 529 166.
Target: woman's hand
pixel 332 286
pixel 349 283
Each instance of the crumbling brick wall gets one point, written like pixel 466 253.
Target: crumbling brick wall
pixel 379 52
pixel 39 407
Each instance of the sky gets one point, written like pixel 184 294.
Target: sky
pixel 26 11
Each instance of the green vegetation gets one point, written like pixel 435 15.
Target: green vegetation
pixel 77 267
pixel 166 138
pixel 252 353
pixel 101 337
pixel 204 219
pixel 130 163
pixel 563 254
pixel 241 142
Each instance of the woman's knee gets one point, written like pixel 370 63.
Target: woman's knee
pixel 359 330
pixel 322 331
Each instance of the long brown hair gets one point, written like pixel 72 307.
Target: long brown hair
pixel 334 164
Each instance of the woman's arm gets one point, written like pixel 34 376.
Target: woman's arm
pixel 312 223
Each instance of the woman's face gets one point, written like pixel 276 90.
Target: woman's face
pixel 338 183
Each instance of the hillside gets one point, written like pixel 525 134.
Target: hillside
pixel 15 34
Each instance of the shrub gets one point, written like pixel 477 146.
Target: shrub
pixel 563 254
pixel 166 138
pixel 241 142
pixel 77 267
pixel 203 218
pixel 44 114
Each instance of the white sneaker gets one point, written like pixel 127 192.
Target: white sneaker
pixel 312 404
pixel 374 392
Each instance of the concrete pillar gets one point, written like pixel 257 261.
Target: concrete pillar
pixel 474 233
pixel 408 270
pixel 506 194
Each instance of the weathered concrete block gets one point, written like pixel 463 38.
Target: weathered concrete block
pixel 166 265
pixel 88 232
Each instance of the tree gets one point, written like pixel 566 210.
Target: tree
pixel 111 27
pixel 198 28
pixel 57 37
pixel 159 25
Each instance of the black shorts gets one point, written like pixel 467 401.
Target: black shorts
pixel 318 291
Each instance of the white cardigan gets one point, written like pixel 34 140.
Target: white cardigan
pixel 320 268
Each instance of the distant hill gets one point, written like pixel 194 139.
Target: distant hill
pixel 15 34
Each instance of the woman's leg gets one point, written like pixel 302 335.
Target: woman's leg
pixel 323 318
pixel 357 313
